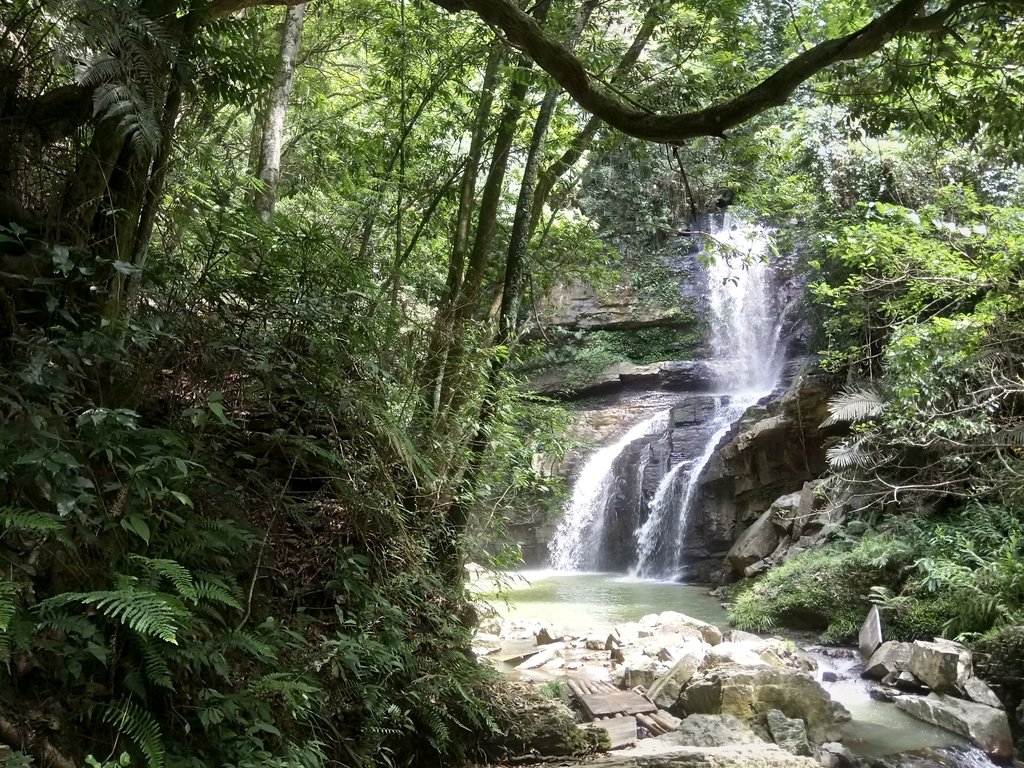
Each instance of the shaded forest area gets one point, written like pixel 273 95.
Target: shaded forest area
pixel 265 267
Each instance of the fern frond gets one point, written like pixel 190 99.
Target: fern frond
pixel 148 613
pixel 141 728
pixel 69 625
pixel 9 592
pixel 217 591
pixel 848 454
pixel 854 405
pixel 29 521
pixel 173 571
pixel 158 672
pixel 249 643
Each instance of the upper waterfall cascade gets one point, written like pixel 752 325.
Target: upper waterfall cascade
pixel 744 353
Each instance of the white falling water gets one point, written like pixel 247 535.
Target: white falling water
pixel 579 533
pixel 745 329
pixel 744 341
pixel 745 322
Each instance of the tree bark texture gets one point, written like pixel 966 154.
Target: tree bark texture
pixel 269 170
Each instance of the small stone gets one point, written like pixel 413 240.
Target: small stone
pixel 548 635
pixel 829 677
pixel 881 694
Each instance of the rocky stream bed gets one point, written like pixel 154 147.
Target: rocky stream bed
pixel 693 694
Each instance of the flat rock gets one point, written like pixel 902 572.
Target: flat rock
pixel 943 665
pixel 870 636
pixel 978 691
pixel 652 754
pixel 987 727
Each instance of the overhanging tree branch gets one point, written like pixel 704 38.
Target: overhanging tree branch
pixel 521 31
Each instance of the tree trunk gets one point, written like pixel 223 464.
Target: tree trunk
pixel 269 169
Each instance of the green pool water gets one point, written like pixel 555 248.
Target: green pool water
pixel 587 600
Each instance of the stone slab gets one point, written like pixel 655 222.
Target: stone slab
pixel 870 636
pixel 621 730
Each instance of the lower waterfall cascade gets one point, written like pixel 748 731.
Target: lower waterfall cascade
pixel 745 325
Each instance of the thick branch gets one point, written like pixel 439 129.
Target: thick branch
pixel 524 33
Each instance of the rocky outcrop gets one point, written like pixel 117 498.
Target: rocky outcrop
pixel 773 452
pixel 577 306
pixel 671 375
pixel 986 727
pixel 747 692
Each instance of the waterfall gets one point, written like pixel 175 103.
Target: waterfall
pixel 744 339
pixel 744 330
pixel 745 321
pixel 578 537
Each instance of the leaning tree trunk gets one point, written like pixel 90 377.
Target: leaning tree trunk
pixel 269 169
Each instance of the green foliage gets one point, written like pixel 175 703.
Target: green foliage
pixel 822 589
pixel 924 304
pixel 956 575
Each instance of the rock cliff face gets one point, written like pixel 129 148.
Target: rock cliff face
pixel 774 450
pixel 602 368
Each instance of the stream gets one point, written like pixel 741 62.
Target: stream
pixel 598 601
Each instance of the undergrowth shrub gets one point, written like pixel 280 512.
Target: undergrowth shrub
pixel 825 590
pixel 208 558
pixel 958 575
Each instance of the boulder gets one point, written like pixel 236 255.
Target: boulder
pixel 790 733
pixel 666 688
pixel 870 636
pixel 942 665
pixel 679 623
pixel 988 728
pixel 890 658
pixel 745 654
pixel 739 636
pixel 747 692
pixel 713 731
pixel 834 755
pixel 755 543
pixel 637 670
pixel 979 692
pixel 541 727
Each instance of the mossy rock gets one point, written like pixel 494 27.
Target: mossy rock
pixel 536 726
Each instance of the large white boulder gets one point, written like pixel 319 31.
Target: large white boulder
pixel 943 665
pixel 987 727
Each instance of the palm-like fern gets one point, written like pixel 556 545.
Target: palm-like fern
pixel 854 405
